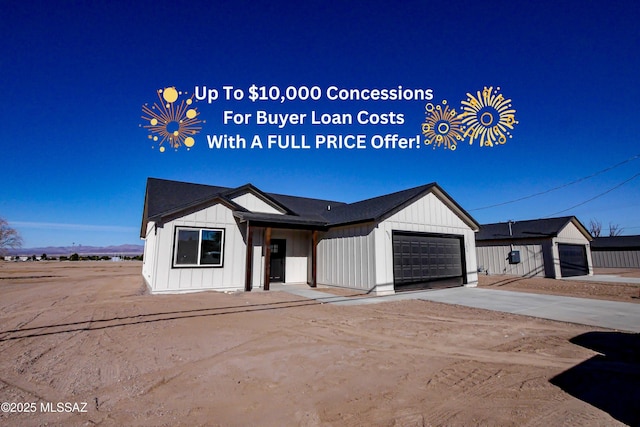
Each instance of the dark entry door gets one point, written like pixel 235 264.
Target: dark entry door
pixel 426 261
pixel 278 252
pixel 573 260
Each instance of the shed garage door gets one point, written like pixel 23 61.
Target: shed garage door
pixel 573 260
pixel 426 261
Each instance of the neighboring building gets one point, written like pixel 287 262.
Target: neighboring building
pixel 553 247
pixel 201 237
pixel 618 251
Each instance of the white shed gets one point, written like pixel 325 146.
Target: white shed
pixel 551 247
pixel 200 237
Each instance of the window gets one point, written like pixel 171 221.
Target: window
pixel 196 247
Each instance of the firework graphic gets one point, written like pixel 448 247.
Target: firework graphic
pixel 170 121
pixel 442 126
pixel 487 117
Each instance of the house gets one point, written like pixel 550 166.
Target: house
pixel 616 252
pixel 201 237
pixel 552 247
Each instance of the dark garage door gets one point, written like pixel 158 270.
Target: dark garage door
pixel 573 260
pixel 426 261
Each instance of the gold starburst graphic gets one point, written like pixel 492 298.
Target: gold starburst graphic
pixel 487 117
pixel 170 121
pixel 442 126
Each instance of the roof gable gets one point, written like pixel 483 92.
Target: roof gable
pixel 254 200
pixel 574 229
pixel 381 207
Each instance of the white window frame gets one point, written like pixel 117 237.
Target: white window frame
pixel 200 230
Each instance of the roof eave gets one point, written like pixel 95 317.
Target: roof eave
pixel 277 221
pixel 196 205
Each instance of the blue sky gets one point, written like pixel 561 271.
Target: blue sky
pixel 75 75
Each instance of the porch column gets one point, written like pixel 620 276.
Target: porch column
pixel 314 257
pixel 267 257
pixel 249 263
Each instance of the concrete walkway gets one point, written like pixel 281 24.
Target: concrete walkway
pixel 623 316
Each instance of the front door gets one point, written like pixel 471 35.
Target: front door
pixel 278 252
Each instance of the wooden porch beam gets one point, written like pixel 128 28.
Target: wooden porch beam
pixel 249 263
pixel 314 258
pixel 267 257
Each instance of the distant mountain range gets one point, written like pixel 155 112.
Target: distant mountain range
pixel 79 249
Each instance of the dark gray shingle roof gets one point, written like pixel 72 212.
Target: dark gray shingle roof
pixel 375 208
pixel 165 197
pixel 530 229
pixel 305 206
pixel 616 242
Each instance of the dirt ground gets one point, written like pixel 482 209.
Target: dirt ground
pixel 81 344
pixel 627 292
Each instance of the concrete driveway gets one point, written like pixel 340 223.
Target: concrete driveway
pixel 623 316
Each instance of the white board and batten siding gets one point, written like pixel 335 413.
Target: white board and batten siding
pixel 493 260
pixel 231 276
pixel 150 254
pixel 571 234
pixel 253 203
pixel 346 257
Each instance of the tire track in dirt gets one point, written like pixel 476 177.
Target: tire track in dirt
pixel 397 345
pixel 22 387
pixel 576 415
pixel 147 383
pixel 145 318
pixel 473 376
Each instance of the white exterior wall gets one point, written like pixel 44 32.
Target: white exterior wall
pixel 426 215
pixel 298 244
pixel 257 270
pixel 254 204
pixel 571 234
pixel 149 257
pixel 346 257
pixel 231 276
pixel 493 259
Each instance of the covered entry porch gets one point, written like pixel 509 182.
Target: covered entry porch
pixel 278 253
